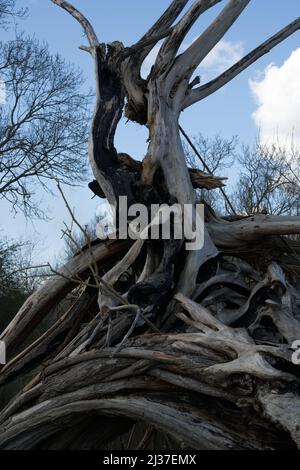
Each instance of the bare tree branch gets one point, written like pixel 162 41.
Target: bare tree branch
pixel 86 25
pixel 132 66
pixel 170 47
pixel 203 91
pixel 193 56
pixel 164 22
pixel 158 31
pixel 8 10
pixel 141 45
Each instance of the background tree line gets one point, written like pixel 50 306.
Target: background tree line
pixel 267 175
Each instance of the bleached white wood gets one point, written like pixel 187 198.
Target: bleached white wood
pixel 200 48
pixel 197 94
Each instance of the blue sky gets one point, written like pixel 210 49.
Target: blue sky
pixel 229 112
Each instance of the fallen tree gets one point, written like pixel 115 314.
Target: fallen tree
pixel 191 346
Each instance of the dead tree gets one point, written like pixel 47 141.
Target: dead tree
pixel 192 346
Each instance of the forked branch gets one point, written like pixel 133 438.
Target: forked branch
pixel 138 53
pixel 165 21
pixel 203 91
pixel 170 47
pixel 201 47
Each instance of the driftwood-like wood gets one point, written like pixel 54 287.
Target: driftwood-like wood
pixel 194 347
pixel 54 290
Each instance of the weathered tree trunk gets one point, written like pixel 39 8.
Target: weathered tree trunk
pixel 191 347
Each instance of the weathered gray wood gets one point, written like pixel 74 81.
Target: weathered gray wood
pixel 48 344
pixel 203 91
pixel 53 290
pixel 235 234
pixel 217 377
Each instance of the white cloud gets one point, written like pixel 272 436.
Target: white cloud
pixel 278 96
pixel 223 56
pixel 2 92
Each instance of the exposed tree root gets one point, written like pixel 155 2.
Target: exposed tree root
pixel 206 384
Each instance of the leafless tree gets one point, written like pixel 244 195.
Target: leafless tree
pixel 267 175
pixel 43 124
pixel 199 346
pixel 8 10
pixel 268 181
pixel 217 155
